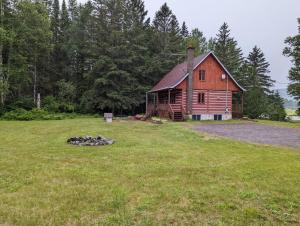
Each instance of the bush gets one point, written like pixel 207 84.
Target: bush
pixel 50 104
pixel 35 114
pixel 2 110
pixel 23 102
pixel 66 107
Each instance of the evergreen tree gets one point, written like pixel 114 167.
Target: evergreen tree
pixel 260 101
pixel 166 43
pixel 32 45
pixel 163 19
pixel 227 50
pixel 258 69
pixel 184 30
pixel 118 59
pixel 293 51
pixel 198 40
pixel 276 110
pixel 64 19
pixel 73 9
pixel 6 38
pixel 55 21
pixel 256 103
pixel 211 44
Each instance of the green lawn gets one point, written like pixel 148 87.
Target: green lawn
pixel 154 175
pixel 290 111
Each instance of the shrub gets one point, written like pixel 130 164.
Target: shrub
pixel 18 114
pixel 50 104
pixel 66 107
pixel 23 102
pixel 35 114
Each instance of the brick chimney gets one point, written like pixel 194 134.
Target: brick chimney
pixel 190 69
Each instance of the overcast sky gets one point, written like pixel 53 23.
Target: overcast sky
pixel 265 23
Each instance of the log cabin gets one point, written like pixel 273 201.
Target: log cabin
pixel 201 88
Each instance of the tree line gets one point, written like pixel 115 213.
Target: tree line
pixel 105 55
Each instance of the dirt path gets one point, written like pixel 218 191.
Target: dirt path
pixel 255 133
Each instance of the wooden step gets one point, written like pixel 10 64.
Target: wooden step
pixel 178 116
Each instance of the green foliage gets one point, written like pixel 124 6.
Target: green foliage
pixel 22 102
pixel 276 107
pixel 227 50
pixel 35 114
pixel 260 101
pixel 66 91
pixel 198 41
pixel 255 103
pixel 50 104
pixel 257 71
pixel 105 55
pixel 293 51
pixel 53 104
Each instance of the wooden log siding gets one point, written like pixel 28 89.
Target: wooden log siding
pixel 215 102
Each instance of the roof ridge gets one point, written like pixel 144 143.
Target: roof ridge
pixel 179 73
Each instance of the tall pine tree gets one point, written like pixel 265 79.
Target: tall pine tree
pixel 184 30
pixel 167 43
pixel 73 9
pixel 227 50
pixel 258 71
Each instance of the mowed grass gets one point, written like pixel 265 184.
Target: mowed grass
pixel 154 175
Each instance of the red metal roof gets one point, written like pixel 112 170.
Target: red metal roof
pixel 179 73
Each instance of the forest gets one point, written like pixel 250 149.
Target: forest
pixel 104 55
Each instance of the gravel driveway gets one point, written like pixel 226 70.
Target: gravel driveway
pixel 255 133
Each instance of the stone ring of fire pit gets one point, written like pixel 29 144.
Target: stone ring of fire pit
pixel 90 141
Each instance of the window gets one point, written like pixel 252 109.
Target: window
pixel 218 117
pixel 202 75
pixel 196 117
pixel 201 98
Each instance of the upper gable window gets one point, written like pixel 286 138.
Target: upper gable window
pixel 202 75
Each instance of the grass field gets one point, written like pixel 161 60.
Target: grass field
pixel 290 111
pixel 154 175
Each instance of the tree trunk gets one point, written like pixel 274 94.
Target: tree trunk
pixel 34 82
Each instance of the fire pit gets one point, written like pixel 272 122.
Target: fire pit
pixel 90 141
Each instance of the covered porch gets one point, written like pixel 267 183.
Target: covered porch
pixel 165 104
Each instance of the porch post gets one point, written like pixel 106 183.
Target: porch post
pixel 243 103
pixel 169 96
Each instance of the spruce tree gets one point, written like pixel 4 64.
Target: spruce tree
pixel 258 71
pixel 167 43
pixel 55 21
pixel 227 50
pixel 198 40
pixel 184 30
pixel 64 19
pixel 32 44
pixel 163 18
pixel 73 9
pixel 293 51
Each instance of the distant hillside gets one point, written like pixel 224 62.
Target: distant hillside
pixel 289 102
pixel 284 94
